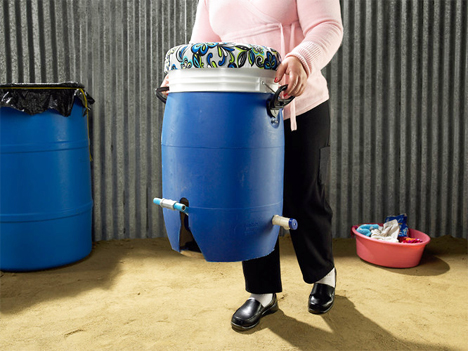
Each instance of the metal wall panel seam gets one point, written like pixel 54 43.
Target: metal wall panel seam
pixel 87 11
pixel 454 220
pixel 414 167
pixel 156 222
pixel 10 48
pixel 339 205
pixel 464 124
pixel 4 37
pixel 70 23
pixel 367 114
pixel 30 47
pixel 433 131
pixel 99 39
pixel 130 162
pixel 141 122
pixel 77 41
pixel 136 116
pixel 445 157
pixel 114 90
pixel 122 111
pixel 393 122
pixel 423 125
pixel 148 88
pixel 359 136
pixel 334 69
pixel 19 20
pixel 404 154
pixel 54 63
pixel 349 132
pixel 381 63
pixel 62 38
pixel 42 41
pixel 149 81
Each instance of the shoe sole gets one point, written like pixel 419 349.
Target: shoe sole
pixel 322 312
pixel 271 310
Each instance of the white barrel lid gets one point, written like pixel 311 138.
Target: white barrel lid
pixel 222 67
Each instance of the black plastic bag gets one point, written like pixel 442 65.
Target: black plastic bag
pixel 35 98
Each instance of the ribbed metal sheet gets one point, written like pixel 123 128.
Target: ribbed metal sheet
pixel 399 97
pixel 398 91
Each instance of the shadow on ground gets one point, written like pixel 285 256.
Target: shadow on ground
pixel 21 290
pixel 350 330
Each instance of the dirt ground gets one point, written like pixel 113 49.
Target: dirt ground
pixel 141 295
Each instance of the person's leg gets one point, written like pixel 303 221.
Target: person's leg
pixel 262 275
pixel 262 280
pixel 306 165
pixel 304 199
pixel 306 172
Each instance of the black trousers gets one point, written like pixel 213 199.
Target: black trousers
pixel 307 153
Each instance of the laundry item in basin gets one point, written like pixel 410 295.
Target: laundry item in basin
pixel 389 232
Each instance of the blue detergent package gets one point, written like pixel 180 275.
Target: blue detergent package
pixel 401 219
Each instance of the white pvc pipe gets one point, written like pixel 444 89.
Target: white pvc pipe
pixel 170 204
pixel 286 223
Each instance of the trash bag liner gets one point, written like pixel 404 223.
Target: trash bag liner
pixel 35 98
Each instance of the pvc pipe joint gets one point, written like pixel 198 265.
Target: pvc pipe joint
pixel 286 223
pixel 170 204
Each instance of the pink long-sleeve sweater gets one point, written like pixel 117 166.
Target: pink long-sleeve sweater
pixel 310 30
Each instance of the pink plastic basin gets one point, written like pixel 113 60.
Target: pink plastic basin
pixel 387 254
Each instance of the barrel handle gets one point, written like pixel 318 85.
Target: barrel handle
pixel 160 95
pixel 275 104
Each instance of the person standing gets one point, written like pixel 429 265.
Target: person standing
pixel 307 33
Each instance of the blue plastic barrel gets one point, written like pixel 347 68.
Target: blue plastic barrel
pixel 222 151
pixel 45 189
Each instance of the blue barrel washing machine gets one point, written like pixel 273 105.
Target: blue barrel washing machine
pixel 223 151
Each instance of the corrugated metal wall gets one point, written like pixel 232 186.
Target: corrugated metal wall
pixel 399 95
pixel 398 87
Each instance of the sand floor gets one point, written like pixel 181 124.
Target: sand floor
pixel 141 295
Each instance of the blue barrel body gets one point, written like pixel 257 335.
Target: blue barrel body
pixel 221 152
pixel 45 189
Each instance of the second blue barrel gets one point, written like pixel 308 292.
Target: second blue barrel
pixel 222 152
pixel 45 177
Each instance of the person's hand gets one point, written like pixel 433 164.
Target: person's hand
pixel 293 68
pixel 165 83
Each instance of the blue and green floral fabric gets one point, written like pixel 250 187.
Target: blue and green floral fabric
pixel 223 55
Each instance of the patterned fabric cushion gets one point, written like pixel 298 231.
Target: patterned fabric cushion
pixel 222 55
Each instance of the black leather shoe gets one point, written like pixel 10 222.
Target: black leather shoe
pixel 250 313
pixel 321 298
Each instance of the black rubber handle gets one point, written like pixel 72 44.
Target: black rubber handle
pixel 160 95
pixel 276 103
